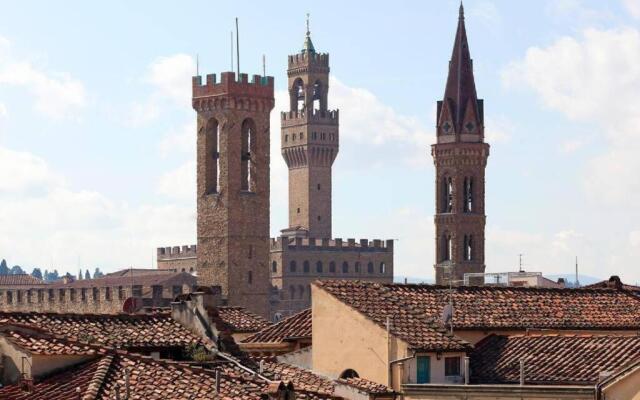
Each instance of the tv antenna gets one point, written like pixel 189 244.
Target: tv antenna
pixel 520 262
pixel 237 48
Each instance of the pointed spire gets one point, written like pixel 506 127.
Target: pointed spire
pixel 461 89
pixel 307 47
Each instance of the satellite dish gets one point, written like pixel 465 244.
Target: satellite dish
pixel 447 314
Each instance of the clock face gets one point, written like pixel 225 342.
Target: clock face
pixel 446 127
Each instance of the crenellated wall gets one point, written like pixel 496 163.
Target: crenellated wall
pixel 93 299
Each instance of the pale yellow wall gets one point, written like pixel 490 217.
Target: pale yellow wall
pixel 627 388
pixel 437 367
pixel 343 338
pixel 43 365
pixel 12 362
pixel 470 393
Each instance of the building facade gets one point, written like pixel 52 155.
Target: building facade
pixel 460 157
pixel 233 187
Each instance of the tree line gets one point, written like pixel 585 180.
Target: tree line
pixel 47 276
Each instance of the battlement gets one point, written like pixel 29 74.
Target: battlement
pixel 169 253
pixel 283 243
pixel 259 87
pixel 305 59
pixel 301 117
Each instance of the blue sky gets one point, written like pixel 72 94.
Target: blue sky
pixel 97 137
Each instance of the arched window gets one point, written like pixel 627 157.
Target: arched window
pixel 357 267
pixel 447 195
pixel 297 95
pixel 317 96
pixel 349 373
pixel 319 267
pixel 446 247
pixel 248 143
pixel 383 268
pixel 212 154
pixel 250 277
pixel 305 267
pixel 345 267
pixel 468 194
pixel 468 247
pixel 370 268
pixel 292 266
pixel 332 267
pixel 292 292
pixel 300 291
pixel 274 267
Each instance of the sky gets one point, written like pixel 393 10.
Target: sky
pixel 97 137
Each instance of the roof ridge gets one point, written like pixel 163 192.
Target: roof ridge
pixel 97 380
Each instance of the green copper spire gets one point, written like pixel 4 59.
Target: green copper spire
pixel 307 47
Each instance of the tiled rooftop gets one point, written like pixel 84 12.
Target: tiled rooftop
pixel 62 386
pixel 407 320
pixel 121 331
pixel 158 277
pixel 296 326
pixel 551 359
pixel 302 379
pixel 366 385
pixel 240 320
pixel 491 307
pixel 21 280
pixel 45 344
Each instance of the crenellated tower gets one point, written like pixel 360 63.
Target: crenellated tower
pixel 233 187
pixel 310 142
pixel 460 157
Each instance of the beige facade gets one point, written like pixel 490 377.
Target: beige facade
pixel 365 347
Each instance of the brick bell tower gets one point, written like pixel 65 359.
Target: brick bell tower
pixel 460 157
pixel 233 187
pixel 309 142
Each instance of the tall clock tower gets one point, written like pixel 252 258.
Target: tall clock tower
pixel 460 157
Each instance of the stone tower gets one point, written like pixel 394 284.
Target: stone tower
pixel 233 187
pixel 460 157
pixel 309 142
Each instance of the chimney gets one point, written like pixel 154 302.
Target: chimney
pixel 614 282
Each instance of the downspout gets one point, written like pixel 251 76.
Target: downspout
pixel 395 362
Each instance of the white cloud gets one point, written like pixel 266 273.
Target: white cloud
pixel 181 140
pixel 179 183
pixel 57 95
pixel 633 6
pixel 569 146
pixel 594 79
pixel 45 223
pixel 172 77
pixel 3 111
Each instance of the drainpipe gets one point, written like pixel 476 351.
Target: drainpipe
pixel 127 385
pixel 522 372
pixel 395 362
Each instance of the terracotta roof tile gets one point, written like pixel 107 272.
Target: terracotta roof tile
pixel 404 310
pixel 366 385
pixel 63 385
pixel 21 280
pixel 240 320
pixel 490 307
pixel 551 359
pixel 302 379
pixel 122 331
pixel 46 345
pixel 294 327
